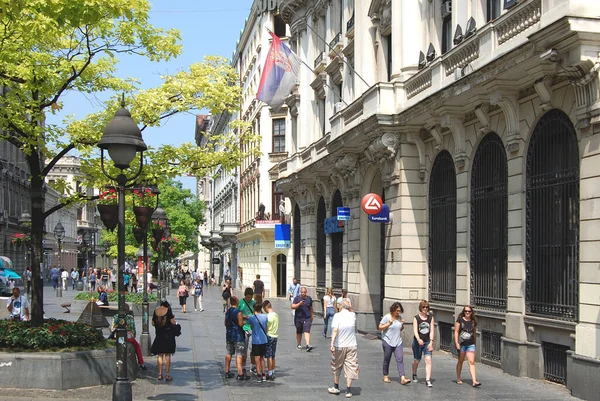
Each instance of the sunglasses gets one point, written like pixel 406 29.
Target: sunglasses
pixel 468 311
pixel 425 307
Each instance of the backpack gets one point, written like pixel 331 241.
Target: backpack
pixel 226 293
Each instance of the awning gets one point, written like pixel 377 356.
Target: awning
pixel 5 262
pixel 9 274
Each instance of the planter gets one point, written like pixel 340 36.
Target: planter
pixel 139 234
pixel 62 370
pixel 157 234
pixel 109 214
pixel 143 215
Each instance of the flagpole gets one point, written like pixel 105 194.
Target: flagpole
pixel 339 55
pixel 313 71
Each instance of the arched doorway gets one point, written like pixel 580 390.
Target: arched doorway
pixel 552 210
pixel 442 230
pixel 489 224
pixel 281 264
pixel 337 243
pixel 321 244
pixel 297 242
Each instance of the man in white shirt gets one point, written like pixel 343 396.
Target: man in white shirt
pixel 343 348
pixel 74 277
pixel 18 305
pixel 64 276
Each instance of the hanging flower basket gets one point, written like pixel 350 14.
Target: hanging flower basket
pixel 109 214
pixel 144 198
pixel 20 238
pixel 143 215
pixel 139 234
pixel 157 233
pixel 108 197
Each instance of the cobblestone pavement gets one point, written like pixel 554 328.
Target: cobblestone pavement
pixel 198 368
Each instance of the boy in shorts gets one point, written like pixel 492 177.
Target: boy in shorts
pixel 258 321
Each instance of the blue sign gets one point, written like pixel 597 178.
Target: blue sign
pixel 332 225
pixel 282 236
pixel 383 216
pixel 343 213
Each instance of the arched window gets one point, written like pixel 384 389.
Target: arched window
pixel 321 213
pixel 337 243
pixel 489 224
pixel 552 262
pixel 442 230
pixel 297 241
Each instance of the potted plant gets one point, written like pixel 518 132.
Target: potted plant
pixel 139 233
pixel 108 208
pixel 158 230
pixel 144 204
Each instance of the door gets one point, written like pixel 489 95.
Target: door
pixel 281 275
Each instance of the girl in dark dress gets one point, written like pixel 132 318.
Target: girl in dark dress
pixel 163 346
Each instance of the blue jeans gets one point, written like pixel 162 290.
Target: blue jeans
pixel 387 356
pixel 328 316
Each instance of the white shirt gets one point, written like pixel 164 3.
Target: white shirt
pixel 64 275
pixel 329 300
pixel 345 323
pixel 19 306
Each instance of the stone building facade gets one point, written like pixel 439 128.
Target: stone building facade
pixel 478 123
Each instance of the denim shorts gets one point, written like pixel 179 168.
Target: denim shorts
pixel 467 348
pixel 271 347
pixel 419 350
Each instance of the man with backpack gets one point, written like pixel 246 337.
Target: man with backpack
pixel 226 295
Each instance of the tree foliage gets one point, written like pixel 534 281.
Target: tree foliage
pixel 51 47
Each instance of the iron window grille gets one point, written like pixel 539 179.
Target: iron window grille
pixel 491 349
pixel 321 244
pixel 555 362
pixel 442 230
pixel 489 224
pixel 552 215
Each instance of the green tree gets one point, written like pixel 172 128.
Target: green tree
pixel 49 48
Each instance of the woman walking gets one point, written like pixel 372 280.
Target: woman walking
pixel 391 327
pixel 328 310
pixel 423 328
pixel 465 339
pixel 198 293
pixel 272 335
pixel 182 293
pixel 164 345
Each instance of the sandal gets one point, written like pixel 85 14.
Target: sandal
pixel 404 381
pixel 459 382
pixel 159 377
pixel 476 384
pixel 168 378
pixel 386 379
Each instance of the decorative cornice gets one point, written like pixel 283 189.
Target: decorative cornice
pixel 382 148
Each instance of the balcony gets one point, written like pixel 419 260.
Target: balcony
pixel 350 28
pixel 498 37
pixel 320 63
pixel 335 45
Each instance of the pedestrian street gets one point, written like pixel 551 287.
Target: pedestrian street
pixel 198 367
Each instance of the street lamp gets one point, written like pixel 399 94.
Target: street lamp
pixel 123 140
pixel 59 234
pixel 160 220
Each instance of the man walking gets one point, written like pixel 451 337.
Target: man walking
pixel 74 277
pixel 302 304
pixel 343 348
pixel 259 289
pixel 54 273
pixel 27 280
pixel 293 292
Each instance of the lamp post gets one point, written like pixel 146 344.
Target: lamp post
pixel 25 223
pixel 160 220
pixel 59 234
pixel 123 140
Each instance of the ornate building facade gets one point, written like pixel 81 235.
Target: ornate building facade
pixel 478 123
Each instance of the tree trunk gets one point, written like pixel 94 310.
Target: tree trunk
pixel 37 235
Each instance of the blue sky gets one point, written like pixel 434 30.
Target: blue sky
pixel 207 28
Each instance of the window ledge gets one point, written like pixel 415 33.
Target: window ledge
pixel 276 157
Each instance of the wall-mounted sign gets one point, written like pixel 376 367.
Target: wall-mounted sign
pixel 371 203
pixel 262 6
pixel 282 236
pixel 332 225
pixel 383 216
pixel 343 213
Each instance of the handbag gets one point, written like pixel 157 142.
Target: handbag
pixel 177 330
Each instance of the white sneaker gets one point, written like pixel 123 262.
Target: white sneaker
pixel 195 310
pixel 333 390
pixel 348 394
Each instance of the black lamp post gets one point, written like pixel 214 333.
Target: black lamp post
pixel 25 223
pixel 123 140
pixel 59 234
